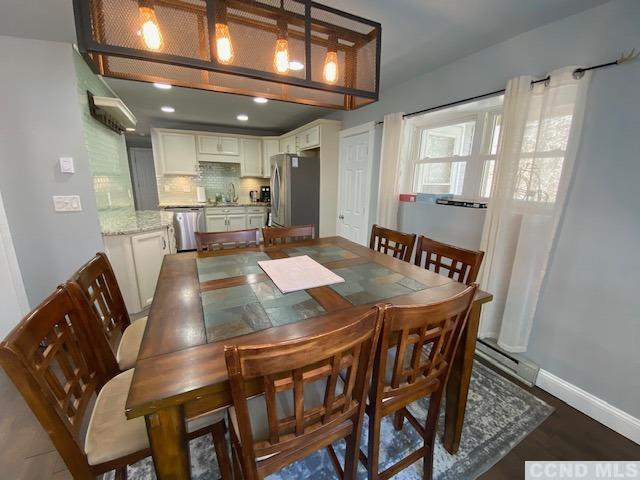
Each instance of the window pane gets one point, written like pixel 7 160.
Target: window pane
pixel 440 177
pixel 487 178
pixel 538 179
pixel 447 141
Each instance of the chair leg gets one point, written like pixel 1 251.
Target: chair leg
pixel 373 445
pixel 430 436
pixel 218 430
pixel 398 418
pixel 352 454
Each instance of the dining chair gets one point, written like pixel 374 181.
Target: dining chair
pixel 461 264
pixel 306 406
pixel 53 361
pixel 416 349
pixel 209 241
pixel 401 246
pixel 275 235
pixel 98 283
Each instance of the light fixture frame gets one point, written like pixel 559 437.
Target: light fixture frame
pixel 93 51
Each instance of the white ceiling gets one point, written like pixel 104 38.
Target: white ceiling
pixel 417 36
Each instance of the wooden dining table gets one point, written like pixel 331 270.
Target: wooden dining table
pixel 204 301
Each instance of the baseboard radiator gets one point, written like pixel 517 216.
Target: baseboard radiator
pixel 513 364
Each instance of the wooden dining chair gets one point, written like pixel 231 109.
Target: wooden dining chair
pixel 413 361
pixel 54 363
pixel 209 241
pixel 401 246
pixel 462 265
pixel 275 235
pixel 98 283
pixel 306 406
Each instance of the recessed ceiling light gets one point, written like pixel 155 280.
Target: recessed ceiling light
pixel 296 66
pixel 162 86
pixel 129 129
pixel 168 109
pixel 260 100
pixel 242 117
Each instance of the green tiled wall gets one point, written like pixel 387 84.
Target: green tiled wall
pixel 107 149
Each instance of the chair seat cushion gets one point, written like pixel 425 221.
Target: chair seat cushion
pixel 110 435
pixel 313 397
pixel 130 344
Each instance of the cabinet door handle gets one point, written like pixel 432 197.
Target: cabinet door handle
pixel 341 217
pixel 307 138
pixel 164 243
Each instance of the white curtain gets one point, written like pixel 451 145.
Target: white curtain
pixel 391 165
pixel 534 168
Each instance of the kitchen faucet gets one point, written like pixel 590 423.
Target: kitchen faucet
pixel 231 192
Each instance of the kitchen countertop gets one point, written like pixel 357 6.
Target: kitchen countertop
pixel 209 205
pixel 127 221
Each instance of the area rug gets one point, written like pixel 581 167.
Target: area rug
pixel 499 415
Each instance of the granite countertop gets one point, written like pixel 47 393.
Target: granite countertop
pixel 237 204
pixel 127 221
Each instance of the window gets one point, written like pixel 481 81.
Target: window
pixel 455 153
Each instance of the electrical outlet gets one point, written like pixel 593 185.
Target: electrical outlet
pixel 67 203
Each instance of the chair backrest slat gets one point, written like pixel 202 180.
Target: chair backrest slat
pixel 401 245
pixel 460 264
pixel 210 241
pixel 290 368
pixel 276 235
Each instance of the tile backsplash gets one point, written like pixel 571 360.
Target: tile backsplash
pixel 214 177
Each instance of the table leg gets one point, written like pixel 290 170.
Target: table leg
pixel 458 383
pixel 169 443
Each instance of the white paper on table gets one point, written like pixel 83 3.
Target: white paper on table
pixel 298 273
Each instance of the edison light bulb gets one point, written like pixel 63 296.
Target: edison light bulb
pixel 330 71
pixel 281 57
pixel 149 29
pixel 224 47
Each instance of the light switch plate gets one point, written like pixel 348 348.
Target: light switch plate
pixel 67 203
pixel 66 165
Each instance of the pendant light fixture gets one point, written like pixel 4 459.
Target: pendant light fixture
pixel 330 69
pixel 224 47
pixel 149 29
pixel 297 51
pixel 281 55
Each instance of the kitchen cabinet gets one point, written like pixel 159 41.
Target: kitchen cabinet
pixel 236 222
pixel 216 223
pixel 270 147
pixel 224 219
pixel 288 144
pixel 175 153
pixel 218 145
pixel 251 165
pixel 136 260
pixel 309 138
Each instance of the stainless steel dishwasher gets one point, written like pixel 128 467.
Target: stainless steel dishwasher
pixel 187 221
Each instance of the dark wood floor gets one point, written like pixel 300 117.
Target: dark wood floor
pixel 27 452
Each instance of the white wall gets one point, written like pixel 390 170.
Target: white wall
pixel 587 328
pixel 40 120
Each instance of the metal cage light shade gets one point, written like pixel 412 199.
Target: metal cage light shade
pixel 292 50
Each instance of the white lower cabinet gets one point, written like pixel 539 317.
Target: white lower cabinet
pixel 216 223
pixel 225 219
pixel 136 260
pixel 236 222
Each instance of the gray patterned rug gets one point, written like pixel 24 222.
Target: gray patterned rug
pixel 499 415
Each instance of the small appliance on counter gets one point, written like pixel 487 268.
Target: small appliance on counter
pixel 265 194
pixel 253 195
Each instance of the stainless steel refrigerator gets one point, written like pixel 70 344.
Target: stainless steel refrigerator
pixel 295 190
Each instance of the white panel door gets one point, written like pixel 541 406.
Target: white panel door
pixel 229 146
pixel 270 147
pixel 251 165
pixel 354 187
pixel 148 252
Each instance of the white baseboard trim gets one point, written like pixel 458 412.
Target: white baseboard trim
pixel 590 405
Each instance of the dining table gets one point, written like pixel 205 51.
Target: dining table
pixel 205 301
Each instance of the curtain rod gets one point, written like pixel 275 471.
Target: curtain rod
pixel 577 74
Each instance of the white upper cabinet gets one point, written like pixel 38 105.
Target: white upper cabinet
pixel 288 144
pixel 309 138
pixel 270 147
pixel 176 153
pixel 218 145
pixel 251 165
